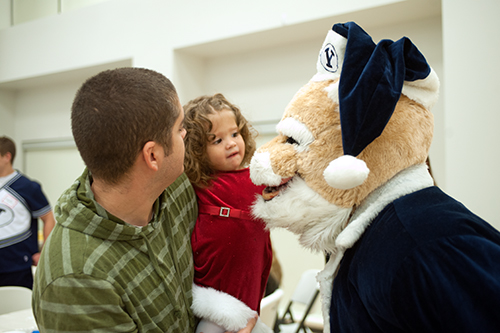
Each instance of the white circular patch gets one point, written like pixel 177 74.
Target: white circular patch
pixel 329 58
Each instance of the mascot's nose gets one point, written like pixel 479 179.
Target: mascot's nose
pixel 261 170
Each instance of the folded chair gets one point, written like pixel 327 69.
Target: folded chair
pixel 305 293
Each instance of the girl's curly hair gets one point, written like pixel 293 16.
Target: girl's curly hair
pixel 197 124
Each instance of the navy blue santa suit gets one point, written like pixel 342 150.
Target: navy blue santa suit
pixel 425 264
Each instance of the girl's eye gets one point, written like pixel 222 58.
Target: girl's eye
pixel 235 134
pixel 216 142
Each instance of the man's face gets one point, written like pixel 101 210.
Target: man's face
pixel 173 165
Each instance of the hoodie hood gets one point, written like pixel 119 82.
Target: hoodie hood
pixel 80 212
pixel 101 224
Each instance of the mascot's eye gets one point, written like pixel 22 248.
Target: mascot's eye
pixel 291 141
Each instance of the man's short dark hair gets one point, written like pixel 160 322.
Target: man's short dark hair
pixel 116 112
pixel 7 145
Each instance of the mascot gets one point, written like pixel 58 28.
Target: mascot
pixel 347 173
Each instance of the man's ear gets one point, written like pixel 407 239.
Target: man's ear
pixel 152 154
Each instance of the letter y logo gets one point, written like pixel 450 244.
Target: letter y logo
pixel 329 58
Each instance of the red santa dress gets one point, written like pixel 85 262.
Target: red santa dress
pixel 231 249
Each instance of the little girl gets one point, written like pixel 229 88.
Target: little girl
pixel 231 249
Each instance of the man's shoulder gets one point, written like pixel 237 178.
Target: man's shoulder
pixel 180 185
pixel 180 193
pixel 69 252
pixel 179 202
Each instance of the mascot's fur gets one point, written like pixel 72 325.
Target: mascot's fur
pixel 324 195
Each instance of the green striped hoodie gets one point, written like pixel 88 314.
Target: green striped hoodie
pixel 100 274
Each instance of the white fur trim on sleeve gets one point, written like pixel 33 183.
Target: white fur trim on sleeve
pixel 346 172
pixel 221 308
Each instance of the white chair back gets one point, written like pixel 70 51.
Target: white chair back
pixel 269 307
pixel 306 288
pixel 14 299
pixel 305 293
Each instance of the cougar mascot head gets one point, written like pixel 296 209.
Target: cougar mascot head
pixel 362 119
pixel 347 173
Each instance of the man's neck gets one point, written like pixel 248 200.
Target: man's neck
pixel 127 202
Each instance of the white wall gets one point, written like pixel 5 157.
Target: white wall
pixel 472 114
pixel 7 112
pixel 259 54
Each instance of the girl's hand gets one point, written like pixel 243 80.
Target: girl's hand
pixel 250 325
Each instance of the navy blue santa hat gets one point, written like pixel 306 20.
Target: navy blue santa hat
pixel 372 79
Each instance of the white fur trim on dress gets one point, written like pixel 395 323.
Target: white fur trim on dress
pixel 224 310
pixel 346 172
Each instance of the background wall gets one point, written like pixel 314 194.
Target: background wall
pixel 258 54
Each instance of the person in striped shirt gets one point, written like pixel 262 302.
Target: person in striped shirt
pixel 119 258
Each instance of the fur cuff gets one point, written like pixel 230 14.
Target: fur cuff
pixel 224 310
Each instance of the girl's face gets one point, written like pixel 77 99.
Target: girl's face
pixel 226 147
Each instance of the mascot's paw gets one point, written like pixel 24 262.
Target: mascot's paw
pixel 224 310
pixel 346 172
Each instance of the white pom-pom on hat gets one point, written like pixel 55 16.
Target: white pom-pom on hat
pixel 346 172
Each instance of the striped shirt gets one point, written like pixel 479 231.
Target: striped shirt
pixel 100 274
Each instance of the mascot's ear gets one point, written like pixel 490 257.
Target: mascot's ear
pixel 372 78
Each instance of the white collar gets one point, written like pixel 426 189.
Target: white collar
pixel 410 180
pixel 5 179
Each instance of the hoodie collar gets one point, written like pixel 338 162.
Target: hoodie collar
pixel 81 206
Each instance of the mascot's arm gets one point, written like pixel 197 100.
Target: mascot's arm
pixel 224 310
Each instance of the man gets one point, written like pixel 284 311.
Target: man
pixel 22 202
pixel 119 258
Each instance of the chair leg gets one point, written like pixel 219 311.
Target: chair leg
pixel 287 312
pixel 309 307
pixel 277 323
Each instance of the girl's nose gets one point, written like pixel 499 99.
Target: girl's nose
pixel 231 144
